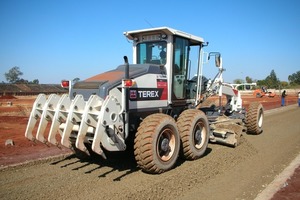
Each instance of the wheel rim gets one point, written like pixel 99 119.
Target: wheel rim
pixel 199 135
pixel 166 144
pixel 260 118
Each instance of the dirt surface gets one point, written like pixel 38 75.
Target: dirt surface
pixel 290 189
pixel 14 113
pixel 287 183
pixel 223 173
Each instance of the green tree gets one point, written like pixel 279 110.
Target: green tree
pixel 272 81
pixel 294 78
pixel 284 84
pixel 13 75
pixel 22 81
pixel 261 83
pixel 249 80
pixel 35 81
pixel 238 81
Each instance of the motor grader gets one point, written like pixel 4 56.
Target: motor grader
pixel 156 103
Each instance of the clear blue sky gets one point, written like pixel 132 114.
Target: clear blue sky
pixel 51 40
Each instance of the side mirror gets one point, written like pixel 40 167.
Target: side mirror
pixel 218 60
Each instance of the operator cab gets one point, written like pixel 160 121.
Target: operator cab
pixel 171 49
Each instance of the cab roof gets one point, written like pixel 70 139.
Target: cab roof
pixel 195 40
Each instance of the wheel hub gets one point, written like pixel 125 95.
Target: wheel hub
pixel 260 119
pixel 198 137
pixel 165 144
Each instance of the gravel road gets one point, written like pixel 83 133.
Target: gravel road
pixel 223 173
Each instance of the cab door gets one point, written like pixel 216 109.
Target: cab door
pixel 180 70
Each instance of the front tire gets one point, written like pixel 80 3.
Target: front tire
pixel 194 132
pixel 157 143
pixel 254 118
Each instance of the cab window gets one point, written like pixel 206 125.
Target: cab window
pixel 180 67
pixel 152 52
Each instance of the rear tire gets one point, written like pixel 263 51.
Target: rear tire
pixel 254 118
pixel 194 132
pixel 157 143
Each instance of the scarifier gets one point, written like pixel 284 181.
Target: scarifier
pixel 155 103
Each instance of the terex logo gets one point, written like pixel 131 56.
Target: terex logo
pixel 145 94
pixel 148 94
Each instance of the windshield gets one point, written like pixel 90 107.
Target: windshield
pixel 152 52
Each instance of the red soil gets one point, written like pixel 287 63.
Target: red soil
pixel 14 114
pixel 7 97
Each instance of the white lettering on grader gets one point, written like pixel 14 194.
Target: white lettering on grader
pixel 147 94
